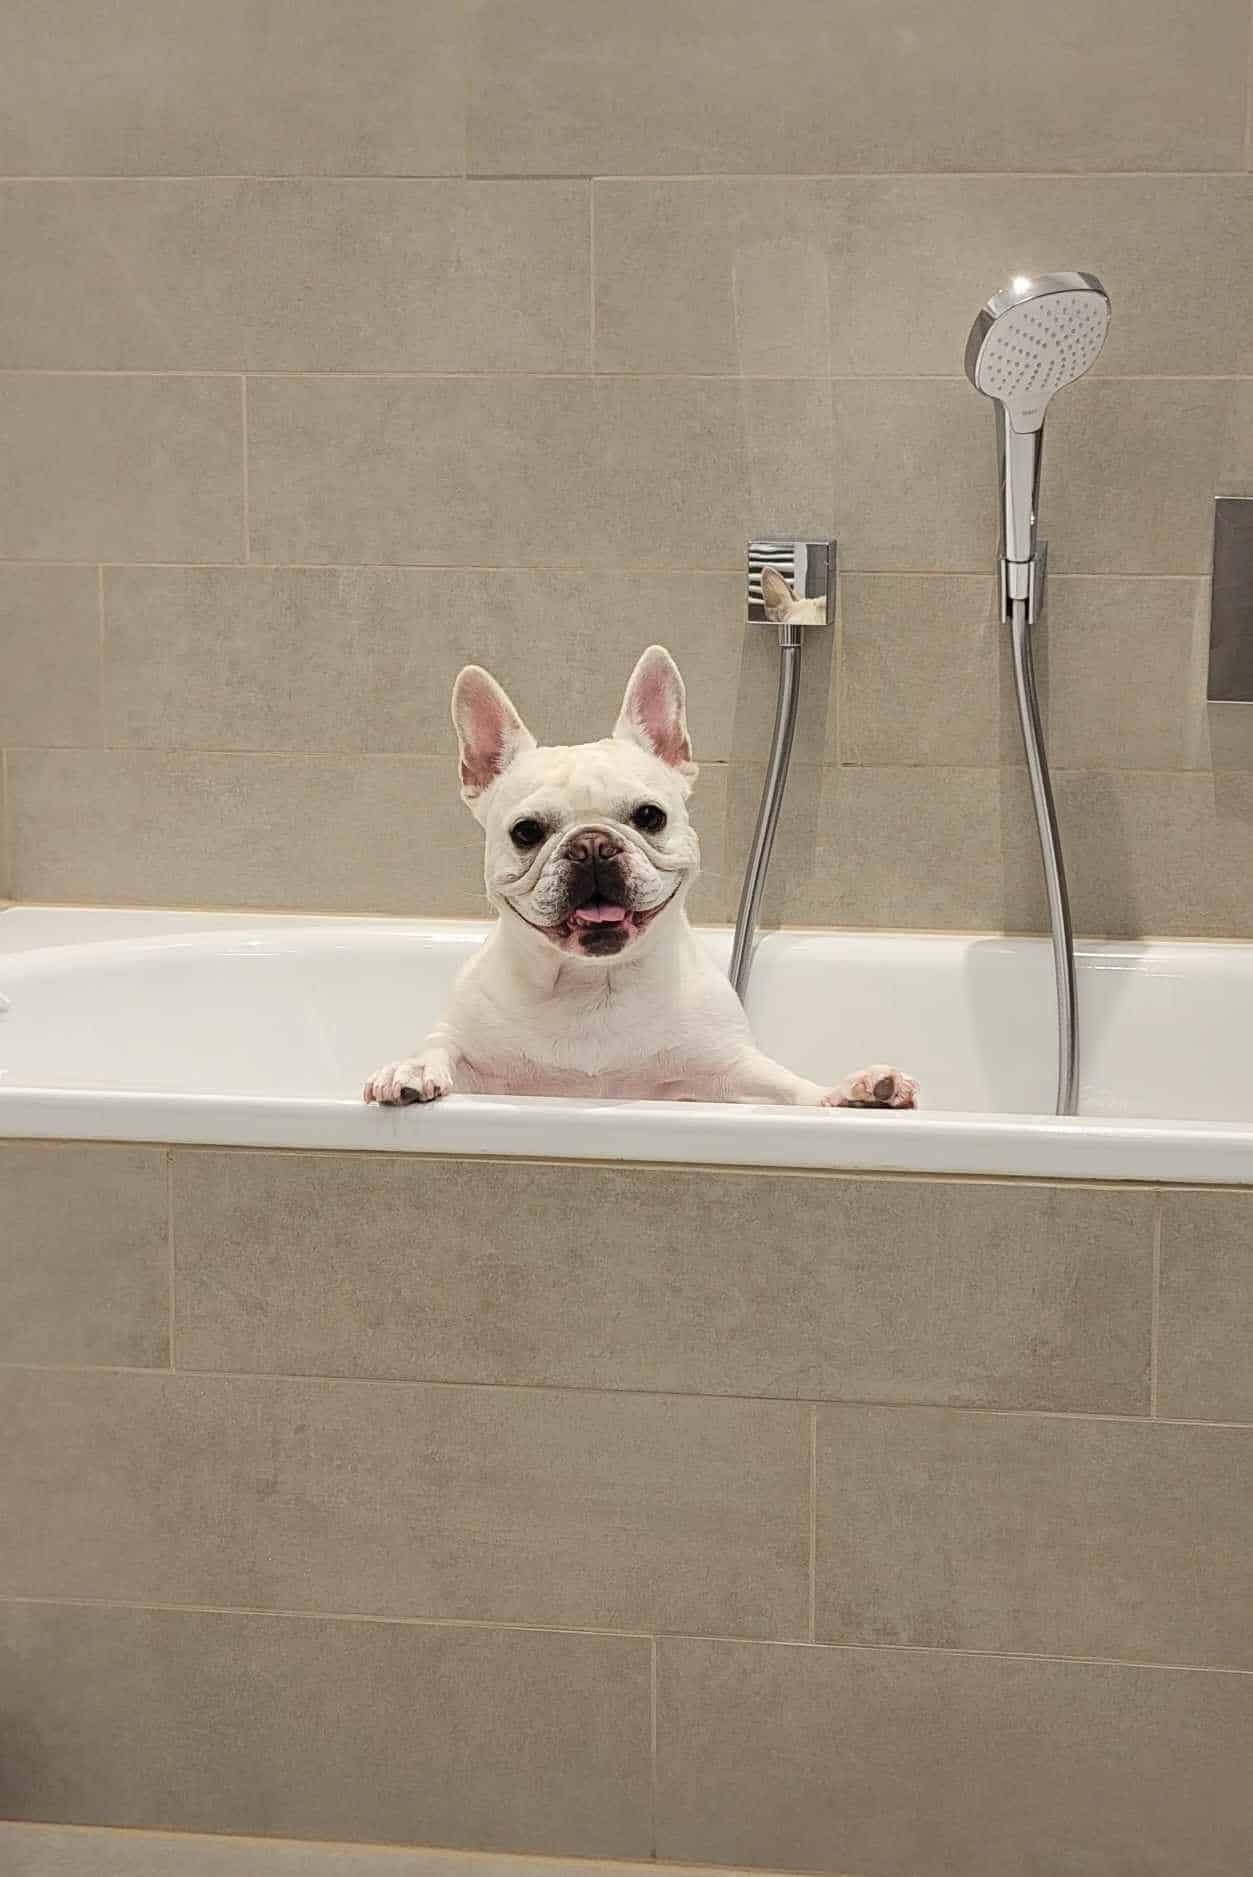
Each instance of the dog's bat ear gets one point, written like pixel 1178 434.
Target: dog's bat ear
pixel 490 732
pixel 776 594
pixel 654 711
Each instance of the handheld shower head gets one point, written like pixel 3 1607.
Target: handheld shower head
pixel 1027 343
pixel 1034 339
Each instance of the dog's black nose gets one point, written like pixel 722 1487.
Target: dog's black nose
pixel 593 844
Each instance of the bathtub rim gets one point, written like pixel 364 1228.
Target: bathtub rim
pixel 750 1136
pixel 692 1134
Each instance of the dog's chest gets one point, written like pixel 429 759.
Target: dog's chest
pixel 577 1037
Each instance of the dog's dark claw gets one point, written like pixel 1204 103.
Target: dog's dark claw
pixel 408 1096
pixel 884 1087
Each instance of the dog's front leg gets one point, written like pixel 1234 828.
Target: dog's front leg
pixel 757 1077
pixel 425 1077
pixel 754 1076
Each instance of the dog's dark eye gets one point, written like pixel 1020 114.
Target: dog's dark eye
pixel 527 833
pixel 648 818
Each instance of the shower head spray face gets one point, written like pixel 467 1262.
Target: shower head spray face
pixel 1027 343
pixel 1033 339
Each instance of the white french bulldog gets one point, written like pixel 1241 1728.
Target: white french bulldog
pixel 592 982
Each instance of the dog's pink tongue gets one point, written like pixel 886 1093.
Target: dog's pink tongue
pixel 600 915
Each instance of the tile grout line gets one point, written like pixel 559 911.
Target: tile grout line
pixel 495 374
pixel 591 275
pixel 847 1403
pixel 243 432
pixel 100 654
pixel 570 570
pixel 754 761
pixel 1155 1313
pixel 576 569
pixel 652 1747
pixel 1248 95
pixel 661 178
pixel 842 1646
pixel 813 1520
pixel 169 1239
pixel 650 179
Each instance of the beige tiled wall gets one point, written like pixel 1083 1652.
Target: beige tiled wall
pixel 334 352
pixel 895 1526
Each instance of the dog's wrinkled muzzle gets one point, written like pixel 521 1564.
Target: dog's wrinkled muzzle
pixel 597 888
pixel 600 916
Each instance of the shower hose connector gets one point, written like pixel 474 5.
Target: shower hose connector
pixel 804 573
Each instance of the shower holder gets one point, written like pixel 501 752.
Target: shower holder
pixel 1037 572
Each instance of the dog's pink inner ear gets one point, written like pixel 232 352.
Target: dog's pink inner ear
pixel 653 710
pixel 489 730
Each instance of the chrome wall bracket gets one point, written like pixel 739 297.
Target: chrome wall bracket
pixel 1011 576
pixel 809 570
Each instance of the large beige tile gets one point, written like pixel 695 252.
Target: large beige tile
pixel 244 87
pixel 363 659
pixel 559 472
pixel 1236 460
pixel 924 674
pixel 49 655
pixel 587 87
pixel 915 475
pixel 911 1764
pixel 1123 686
pixel 1146 853
pixel 1228 732
pixel 499 1739
pixel 859 847
pixel 381 834
pixel 490 1505
pixel 717 1283
pixel 1205 1332
pixel 120 468
pixel 1036 1535
pixel 884 274
pixel 84 1254
pixel 1131 469
pixel 85 1851
pixel 512 1287
pixel 1056 1275
pixel 1159 854
pixel 318 833
pixel 295 275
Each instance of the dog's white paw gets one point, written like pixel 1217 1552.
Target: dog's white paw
pixel 417 1078
pixel 879 1086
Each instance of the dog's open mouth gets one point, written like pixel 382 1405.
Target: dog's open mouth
pixel 600 927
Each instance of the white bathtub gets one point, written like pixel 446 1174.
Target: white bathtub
pixel 246 1030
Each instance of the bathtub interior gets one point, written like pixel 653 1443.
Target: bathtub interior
pixel 288 1008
